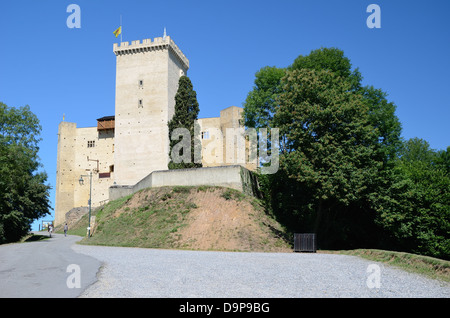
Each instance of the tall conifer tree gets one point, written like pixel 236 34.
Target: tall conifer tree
pixel 185 116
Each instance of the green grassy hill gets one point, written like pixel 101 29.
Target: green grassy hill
pixel 199 218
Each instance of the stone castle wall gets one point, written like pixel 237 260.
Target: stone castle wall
pixel 235 177
pixel 75 146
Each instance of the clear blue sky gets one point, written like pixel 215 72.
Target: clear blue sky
pixel 57 70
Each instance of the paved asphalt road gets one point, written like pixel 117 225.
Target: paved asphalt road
pixel 43 268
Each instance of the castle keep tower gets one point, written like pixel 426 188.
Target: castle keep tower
pixel 147 77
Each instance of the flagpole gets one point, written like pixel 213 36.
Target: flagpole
pixel 121 29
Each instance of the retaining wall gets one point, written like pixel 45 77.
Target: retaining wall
pixel 235 177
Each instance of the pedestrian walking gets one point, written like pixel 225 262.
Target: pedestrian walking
pixel 65 229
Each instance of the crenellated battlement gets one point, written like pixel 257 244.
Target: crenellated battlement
pixel 147 45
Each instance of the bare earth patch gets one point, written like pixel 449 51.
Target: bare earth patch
pixel 221 224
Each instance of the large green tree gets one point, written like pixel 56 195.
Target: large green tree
pixel 339 140
pixel 345 171
pixel 185 116
pixel 331 145
pixel 24 194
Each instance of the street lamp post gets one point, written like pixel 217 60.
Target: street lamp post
pixel 81 181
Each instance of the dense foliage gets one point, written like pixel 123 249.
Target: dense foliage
pixel 416 208
pixel 345 172
pixel 24 196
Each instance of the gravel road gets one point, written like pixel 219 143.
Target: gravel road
pixel 135 272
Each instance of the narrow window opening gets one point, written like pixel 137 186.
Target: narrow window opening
pixel 205 135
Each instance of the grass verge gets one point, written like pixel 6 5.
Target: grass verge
pixel 428 266
pixel 148 224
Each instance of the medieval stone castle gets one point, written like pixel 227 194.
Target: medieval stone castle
pixel 130 150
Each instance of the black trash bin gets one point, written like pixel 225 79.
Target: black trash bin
pixel 305 242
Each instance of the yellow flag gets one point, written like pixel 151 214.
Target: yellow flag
pixel 118 31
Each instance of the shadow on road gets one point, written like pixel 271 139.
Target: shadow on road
pixel 36 237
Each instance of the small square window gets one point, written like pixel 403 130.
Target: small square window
pixel 140 103
pixel 141 83
pixel 91 143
